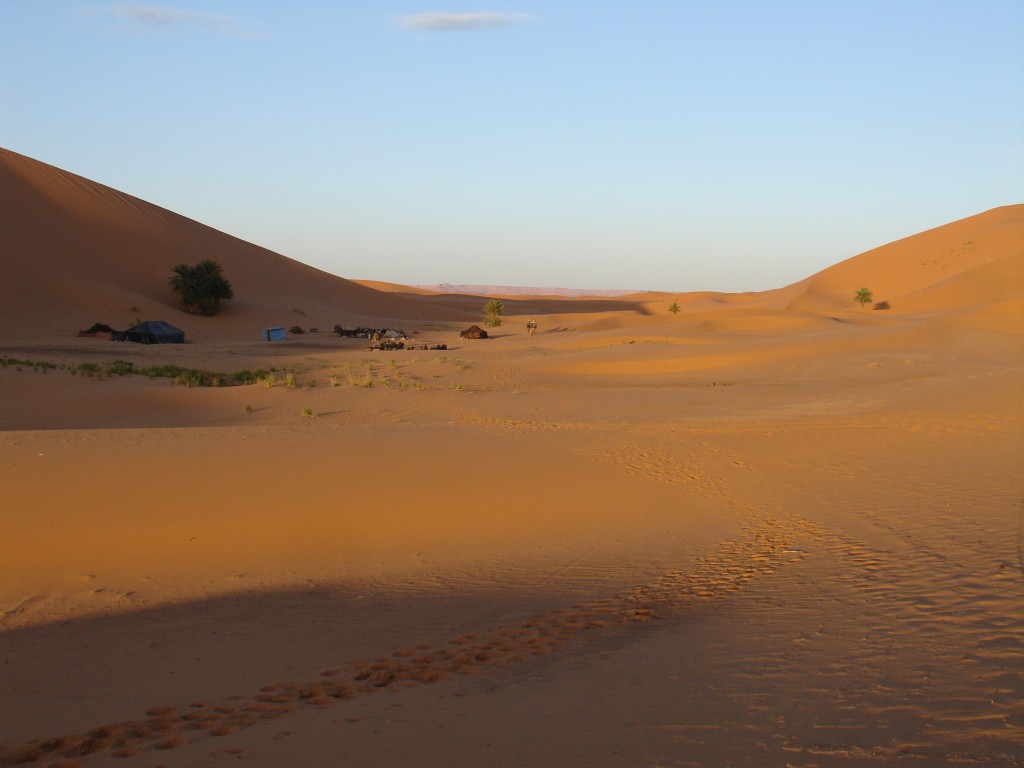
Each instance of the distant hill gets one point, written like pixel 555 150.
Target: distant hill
pixel 519 290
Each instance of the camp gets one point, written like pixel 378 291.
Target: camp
pixel 155 332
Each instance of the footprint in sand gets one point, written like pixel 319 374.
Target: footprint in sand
pixel 760 552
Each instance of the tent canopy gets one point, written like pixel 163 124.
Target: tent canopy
pixel 155 332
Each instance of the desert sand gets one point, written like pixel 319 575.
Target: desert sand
pixel 772 529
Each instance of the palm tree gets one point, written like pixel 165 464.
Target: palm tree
pixel 201 287
pixel 181 283
pixel 674 308
pixel 863 296
pixel 494 309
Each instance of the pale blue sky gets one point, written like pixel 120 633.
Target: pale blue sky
pixel 656 144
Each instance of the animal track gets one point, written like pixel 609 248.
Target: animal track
pixel 760 551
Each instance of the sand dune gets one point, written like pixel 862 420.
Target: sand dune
pixel 971 260
pixel 770 529
pixel 100 255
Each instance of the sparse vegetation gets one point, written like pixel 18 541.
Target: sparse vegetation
pixel 674 308
pixel 863 297
pixel 307 412
pixel 202 287
pixel 375 374
pixel 37 366
pixel 191 377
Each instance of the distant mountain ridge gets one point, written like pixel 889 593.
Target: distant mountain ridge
pixel 521 290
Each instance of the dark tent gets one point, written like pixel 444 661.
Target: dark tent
pixel 101 331
pixel 155 332
pixel 473 332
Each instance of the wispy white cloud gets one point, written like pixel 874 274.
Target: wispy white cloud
pixel 440 21
pixel 163 19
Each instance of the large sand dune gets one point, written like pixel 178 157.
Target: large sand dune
pixel 770 529
pixel 77 252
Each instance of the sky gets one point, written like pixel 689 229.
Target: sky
pixel 680 145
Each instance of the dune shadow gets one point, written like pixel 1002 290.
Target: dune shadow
pixel 246 662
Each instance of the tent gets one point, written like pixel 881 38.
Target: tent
pixel 155 332
pixel 277 333
pixel 473 332
pixel 101 331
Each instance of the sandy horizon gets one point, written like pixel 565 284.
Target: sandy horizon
pixel 771 528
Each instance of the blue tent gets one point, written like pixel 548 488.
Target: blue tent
pixel 155 332
pixel 273 334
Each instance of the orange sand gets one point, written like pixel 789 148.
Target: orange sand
pixel 771 529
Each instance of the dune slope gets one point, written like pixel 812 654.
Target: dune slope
pixel 974 260
pixel 78 252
